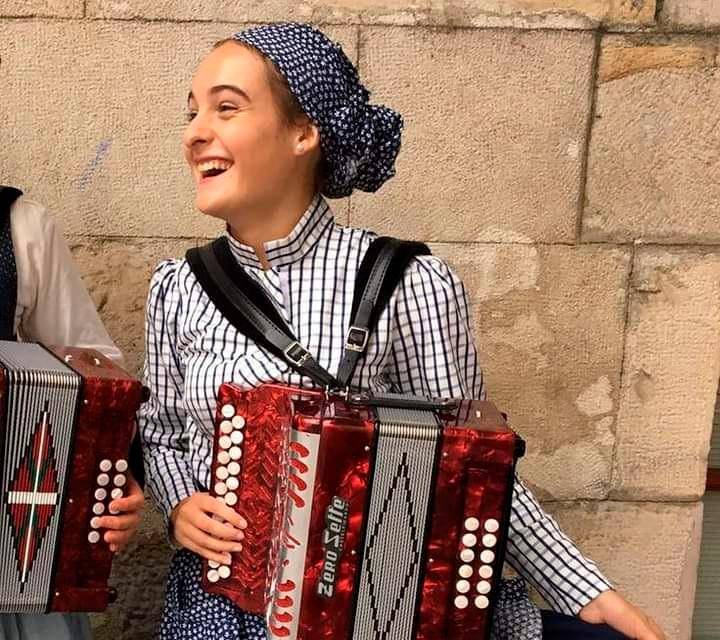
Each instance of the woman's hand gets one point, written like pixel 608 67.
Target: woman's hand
pixel 122 527
pixel 614 610
pixel 208 527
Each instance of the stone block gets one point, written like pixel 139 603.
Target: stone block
pixel 653 173
pixel 41 8
pixel 548 324
pixel 690 14
pixel 670 375
pixel 494 136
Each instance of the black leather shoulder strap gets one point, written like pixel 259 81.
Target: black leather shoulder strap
pixel 8 268
pixel 381 271
pixel 8 195
pixel 246 306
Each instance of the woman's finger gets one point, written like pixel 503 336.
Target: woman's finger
pixel 218 507
pixel 120 523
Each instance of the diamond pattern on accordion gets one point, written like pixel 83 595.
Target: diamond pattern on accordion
pixel 107 489
pixel 468 555
pixel 33 496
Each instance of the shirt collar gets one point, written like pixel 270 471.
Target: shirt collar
pixel 309 230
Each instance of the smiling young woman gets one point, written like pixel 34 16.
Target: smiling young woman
pixel 278 120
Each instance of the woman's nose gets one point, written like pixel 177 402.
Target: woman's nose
pixel 197 132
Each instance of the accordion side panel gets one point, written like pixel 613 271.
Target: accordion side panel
pixel 105 427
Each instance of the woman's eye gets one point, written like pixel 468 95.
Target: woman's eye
pixel 190 116
pixel 225 107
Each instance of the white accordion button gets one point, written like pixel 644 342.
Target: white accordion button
pixel 225 442
pixel 231 499
pixel 233 468
pixel 95 522
pixel 213 564
pixel 489 540
pixel 121 466
pixel 467 555
pixel 481 602
pixel 461 602
pixel 462 586
pixel 224 571
pixel 238 422
pixel 212 575
pixel 119 480
pixel 222 473
pixel 100 494
pixel 223 457
pixel 232 483
pixel 116 493
pixel 465 571
pixel 236 453
pixel 228 411
pixel 220 488
pixel 93 537
pixel 469 539
pixel 226 427
pixel 485 571
pixel 472 524
pixel 487 556
pixel 98 508
pixel 113 512
pixel 105 465
pixel 492 525
pixel 103 479
pixel 237 437
pixel 483 587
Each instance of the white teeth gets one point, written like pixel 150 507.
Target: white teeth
pixel 209 165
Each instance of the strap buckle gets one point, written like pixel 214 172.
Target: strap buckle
pixel 296 354
pixel 357 339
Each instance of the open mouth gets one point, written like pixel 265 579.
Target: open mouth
pixel 213 168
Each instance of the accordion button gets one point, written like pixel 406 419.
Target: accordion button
pixel 105 465
pixel 121 466
pixel 481 602
pixel 489 540
pixel 236 453
pixel 93 537
pixel 469 539
pixel 485 571
pixel 98 508
pixel 103 479
pixel 465 571
pixel 487 556
pixel 231 499
pixel 223 457
pixel 119 480
pixel 238 422
pixel 237 437
pixel 462 586
pixel 224 572
pixel 467 555
pixel 226 427
pixel 220 488
pixel 100 494
pixel 225 442
pixel 232 483
pixel 213 576
pixel 95 522
pixel 116 493
pixel 222 473
pixel 233 468
pixel 228 411
pixel 461 602
pixel 213 564
pixel 472 524
pixel 483 587
pixel 492 525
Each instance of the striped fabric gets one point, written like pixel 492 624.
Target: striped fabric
pixel 423 345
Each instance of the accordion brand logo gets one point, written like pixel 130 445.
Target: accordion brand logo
pixel 336 517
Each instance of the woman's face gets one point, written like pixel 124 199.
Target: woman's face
pixel 241 151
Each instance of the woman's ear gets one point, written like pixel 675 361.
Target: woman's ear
pixel 307 138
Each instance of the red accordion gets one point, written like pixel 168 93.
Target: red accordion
pixel 68 417
pixel 369 518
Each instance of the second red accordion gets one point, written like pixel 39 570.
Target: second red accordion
pixel 368 517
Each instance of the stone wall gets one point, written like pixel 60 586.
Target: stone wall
pixel 563 155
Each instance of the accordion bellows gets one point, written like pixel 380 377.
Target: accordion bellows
pixel 67 417
pixel 366 521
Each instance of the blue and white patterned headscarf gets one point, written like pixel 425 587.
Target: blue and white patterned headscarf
pixel 359 141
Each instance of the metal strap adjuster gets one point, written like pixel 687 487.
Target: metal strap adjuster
pixel 357 339
pixel 297 354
